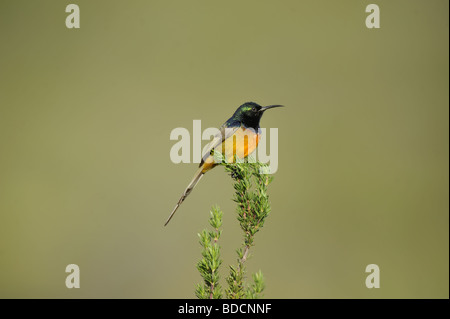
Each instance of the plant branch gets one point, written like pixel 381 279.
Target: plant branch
pixel 250 184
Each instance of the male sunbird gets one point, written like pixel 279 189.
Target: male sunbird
pixel 238 136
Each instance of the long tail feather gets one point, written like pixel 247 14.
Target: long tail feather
pixel 198 175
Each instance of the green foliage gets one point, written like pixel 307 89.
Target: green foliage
pixel 208 266
pixel 253 207
pixel 255 290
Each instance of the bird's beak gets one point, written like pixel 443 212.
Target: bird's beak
pixel 264 108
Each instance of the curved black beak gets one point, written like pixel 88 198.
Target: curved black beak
pixel 264 108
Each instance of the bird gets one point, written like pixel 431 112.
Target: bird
pixel 242 130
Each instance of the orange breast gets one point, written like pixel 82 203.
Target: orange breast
pixel 241 144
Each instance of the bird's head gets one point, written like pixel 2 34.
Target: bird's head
pixel 250 113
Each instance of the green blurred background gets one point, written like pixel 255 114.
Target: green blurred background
pixel 85 118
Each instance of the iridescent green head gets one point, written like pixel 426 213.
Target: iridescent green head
pixel 249 114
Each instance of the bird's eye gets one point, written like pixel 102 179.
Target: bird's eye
pixel 254 109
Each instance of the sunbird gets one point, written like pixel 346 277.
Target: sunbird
pixel 239 136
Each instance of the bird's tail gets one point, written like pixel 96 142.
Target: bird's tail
pixel 198 175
